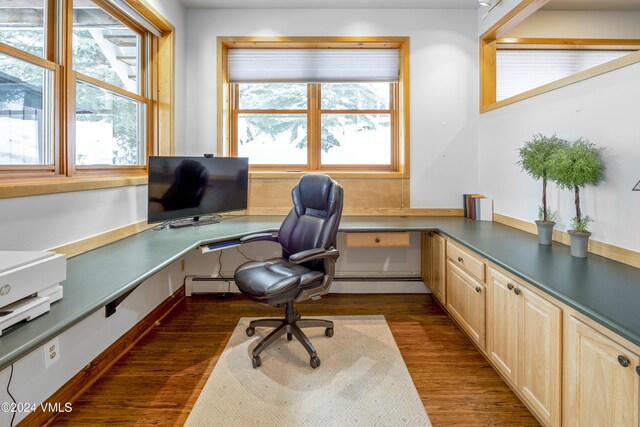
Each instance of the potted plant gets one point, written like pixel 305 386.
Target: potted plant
pixel 573 167
pixel 534 160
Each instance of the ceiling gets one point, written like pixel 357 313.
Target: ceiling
pixel 600 5
pixel 333 4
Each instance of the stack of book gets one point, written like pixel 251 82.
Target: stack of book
pixel 478 207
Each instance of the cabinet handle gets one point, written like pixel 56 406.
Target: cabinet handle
pixel 460 259
pixel 638 370
pixel 377 240
pixel 516 291
pixel 478 289
pixel 510 286
pixel 623 361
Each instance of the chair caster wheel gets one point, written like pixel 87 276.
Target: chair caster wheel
pixel 315 362
pixel 250 331
pixel 328 332
pixel 289 337
pixel 256 361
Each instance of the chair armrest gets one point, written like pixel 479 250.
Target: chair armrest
pixel 312 254
pixel 258 237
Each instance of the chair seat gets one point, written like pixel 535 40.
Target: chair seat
pixel 275 279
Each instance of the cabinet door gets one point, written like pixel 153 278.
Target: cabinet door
pixel 427 263
pixel 438 247
pixel 504 323
pixel 599 390
pixel 539 348
pixel 466 302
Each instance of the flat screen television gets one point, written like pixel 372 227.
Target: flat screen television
pixel 183 187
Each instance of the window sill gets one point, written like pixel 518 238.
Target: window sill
pixel 52 185
pixel 333 174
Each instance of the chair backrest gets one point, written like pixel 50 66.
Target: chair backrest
pixel 313 221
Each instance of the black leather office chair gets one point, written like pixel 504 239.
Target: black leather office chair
pixel 307 265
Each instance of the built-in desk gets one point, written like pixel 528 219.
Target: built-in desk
pixel 604 290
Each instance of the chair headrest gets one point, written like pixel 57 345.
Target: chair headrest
pixel 315 192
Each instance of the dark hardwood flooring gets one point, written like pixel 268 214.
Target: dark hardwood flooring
pixel 157 382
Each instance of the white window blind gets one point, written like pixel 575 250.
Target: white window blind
pixel 518 71
pixel 314 65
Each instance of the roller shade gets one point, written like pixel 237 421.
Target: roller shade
pixel 518 71
pixel 314 65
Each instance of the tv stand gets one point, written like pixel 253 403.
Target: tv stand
pixel 196 222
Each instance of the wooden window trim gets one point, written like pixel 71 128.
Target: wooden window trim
pixel 495 35
pixel 400 150
pixel 157 94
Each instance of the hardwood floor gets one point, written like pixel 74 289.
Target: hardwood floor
pixel 159 380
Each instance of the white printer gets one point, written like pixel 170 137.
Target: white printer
pixel 29 283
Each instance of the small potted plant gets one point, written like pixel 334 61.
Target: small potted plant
pixel 573 167
pixel 534 160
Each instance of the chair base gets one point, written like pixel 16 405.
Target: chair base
pixel 292 325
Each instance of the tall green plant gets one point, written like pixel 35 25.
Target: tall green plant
pixel 575 166
pixel 534 160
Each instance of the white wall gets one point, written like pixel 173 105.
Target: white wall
pixel 579 24
pixel 444 82
pixel 51 220
pixel 604 110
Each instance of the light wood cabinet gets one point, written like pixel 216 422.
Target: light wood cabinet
pixel 434 264
pixel 466 302
pixel 504 316
pixel 524 343
pixel 464 259
pixel 383 240
pixel 601 385
pixel 568 369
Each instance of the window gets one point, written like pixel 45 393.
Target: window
pixel 110 108
pixel 521 68
pixel 327 109
pixel 80 99
pixel 26 93
pixel 356 121
pixel 531 50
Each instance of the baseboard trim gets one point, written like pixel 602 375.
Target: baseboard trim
pixel 84 379
pixel 90 243
pixel 607 250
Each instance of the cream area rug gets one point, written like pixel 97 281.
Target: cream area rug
pixel 362 381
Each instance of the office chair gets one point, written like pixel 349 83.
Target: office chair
pixel 307 265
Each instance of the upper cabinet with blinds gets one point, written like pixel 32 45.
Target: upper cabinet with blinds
pixel 314 65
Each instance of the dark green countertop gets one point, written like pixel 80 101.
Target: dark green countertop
pixel 604 290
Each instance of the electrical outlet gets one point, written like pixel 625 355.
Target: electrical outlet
pixel 182 265
pixel 51 352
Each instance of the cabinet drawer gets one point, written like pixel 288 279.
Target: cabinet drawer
pixel 378 239
pixel 467 261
